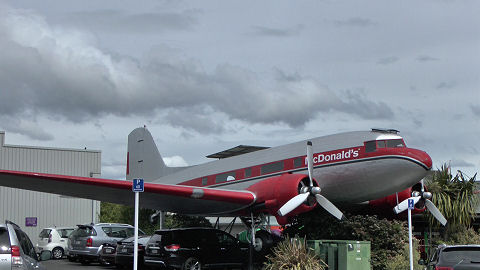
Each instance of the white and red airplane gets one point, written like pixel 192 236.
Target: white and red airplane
pixel 283 181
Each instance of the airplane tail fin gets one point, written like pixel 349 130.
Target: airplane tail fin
pixel 143 159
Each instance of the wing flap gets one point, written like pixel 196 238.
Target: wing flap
pixel 172 198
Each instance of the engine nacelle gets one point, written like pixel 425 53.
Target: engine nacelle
pixel 386 204
pixel 274 192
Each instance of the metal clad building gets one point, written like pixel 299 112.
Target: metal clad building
pixel 49 209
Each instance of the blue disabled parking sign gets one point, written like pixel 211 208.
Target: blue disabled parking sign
pixel 137 185
pixel 411 204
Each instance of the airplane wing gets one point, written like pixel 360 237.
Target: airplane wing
pixel 172 198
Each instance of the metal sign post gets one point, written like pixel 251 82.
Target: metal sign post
pixel 411 205
pixel 137 186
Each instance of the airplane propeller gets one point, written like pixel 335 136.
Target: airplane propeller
pixel 307 191
pixel 424 197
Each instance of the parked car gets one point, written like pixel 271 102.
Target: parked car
pixel 107 254
pixel 54 240
pixel 461 257
pixel 195 248
pixel 17 251
pixel 85 242
pixel 124 254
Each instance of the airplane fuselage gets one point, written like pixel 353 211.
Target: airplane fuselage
pixel 348 167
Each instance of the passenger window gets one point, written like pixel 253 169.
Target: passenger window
pixel 204 181
pixel 370 146
pixel 381 144
pixel 224 177
pixel 225 239
pixel 31 249
pixel 248 172
pixel 298 162
pixel 272 167
pixel 107 231
pixel 64 233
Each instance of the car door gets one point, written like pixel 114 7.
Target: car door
pixel 29 254
pixel 229 252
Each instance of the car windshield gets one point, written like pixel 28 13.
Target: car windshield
pixel 457 254
pixel 4 241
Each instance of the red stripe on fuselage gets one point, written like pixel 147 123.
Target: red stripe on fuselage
pixel 340 156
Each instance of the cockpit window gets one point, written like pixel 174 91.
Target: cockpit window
pixel 370 146
pixel 395 143
pixel 381 144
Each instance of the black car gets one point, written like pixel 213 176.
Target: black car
pixel 124 251
pixel 195 248
pixel 107 254
pixel 462 257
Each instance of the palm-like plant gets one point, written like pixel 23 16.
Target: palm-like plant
pixel 454 196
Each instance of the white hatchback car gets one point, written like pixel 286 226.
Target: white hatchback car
pixel 55 240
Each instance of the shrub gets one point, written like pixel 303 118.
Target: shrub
pixel 402 261
pixel 387 237
pixel 293 254
pixel 458 235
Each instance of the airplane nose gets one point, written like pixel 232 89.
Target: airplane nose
pixel 423 157
pixel 427 160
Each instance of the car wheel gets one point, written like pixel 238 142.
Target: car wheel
pixel 57 253
pixel 263 241
pixel 192 264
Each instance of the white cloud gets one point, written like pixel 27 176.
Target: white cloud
pixel 175 161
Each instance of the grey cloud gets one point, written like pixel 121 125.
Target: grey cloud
pixel 461 163
pixel 118 21
pixel 26 128
pixel 197 120
pixel 387 60
pixel 446 85
pixel 61 73
pixel 475 109
pixel 426 58
pixel 276 32
pixel 355 21
pixel 360 105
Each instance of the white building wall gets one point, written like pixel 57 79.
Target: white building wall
pixel 50 209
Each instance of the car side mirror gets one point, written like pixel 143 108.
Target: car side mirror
pixel 421 262
pixel 45 255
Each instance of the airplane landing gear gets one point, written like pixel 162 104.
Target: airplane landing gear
pixel 260 238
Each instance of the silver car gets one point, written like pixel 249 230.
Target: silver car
pixel 17 251
pixel 86 241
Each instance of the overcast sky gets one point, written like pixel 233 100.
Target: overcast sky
pixel 205 76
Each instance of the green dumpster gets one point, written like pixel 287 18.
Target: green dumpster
pixel 342 254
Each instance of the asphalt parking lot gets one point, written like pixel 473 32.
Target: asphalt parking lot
pixel 67 265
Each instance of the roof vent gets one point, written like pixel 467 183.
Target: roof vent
pixel 384 130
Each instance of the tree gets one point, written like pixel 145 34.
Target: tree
pixel 454 196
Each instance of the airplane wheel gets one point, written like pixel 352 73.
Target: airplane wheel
pixel 263 241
